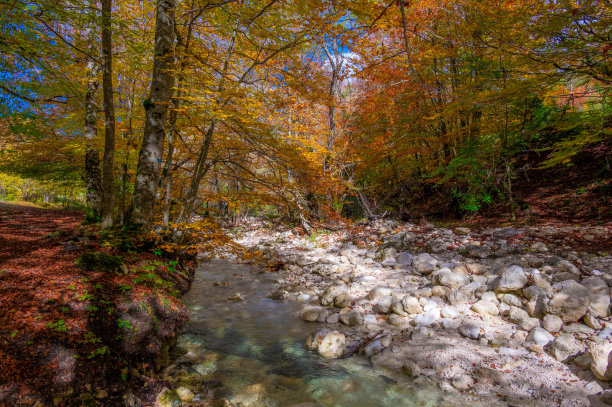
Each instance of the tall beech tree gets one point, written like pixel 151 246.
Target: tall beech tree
pixel 93 179
pixel 108 179
pixel 156 108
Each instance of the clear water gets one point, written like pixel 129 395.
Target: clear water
pixel 254 350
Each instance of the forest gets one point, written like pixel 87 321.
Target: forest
pixel 141 140
pixel 301 110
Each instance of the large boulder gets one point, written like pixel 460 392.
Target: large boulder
pixel 570 301
pixel 332 345
pixel 512 279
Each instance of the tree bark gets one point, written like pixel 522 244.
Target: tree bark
pixel 156 108
pixel 335 61
pixel 108 203
pixel 93 178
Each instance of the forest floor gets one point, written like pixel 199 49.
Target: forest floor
pixel 68 333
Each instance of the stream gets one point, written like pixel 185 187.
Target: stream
pixel 254 352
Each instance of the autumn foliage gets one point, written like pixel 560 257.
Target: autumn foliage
pixel 305 110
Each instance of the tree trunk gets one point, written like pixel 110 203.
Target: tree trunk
pixel 200 170
pixel 92 158
pixel 335 61
pixel 156 107
pixel 108 203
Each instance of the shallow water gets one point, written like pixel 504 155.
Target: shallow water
pixel 254 350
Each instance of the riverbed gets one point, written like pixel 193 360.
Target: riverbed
pixel 243 348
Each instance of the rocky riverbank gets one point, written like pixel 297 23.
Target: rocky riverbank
pixel 502 316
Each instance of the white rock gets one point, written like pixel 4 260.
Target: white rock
pixel 504 309
pixel 424 263
pixel 379 291
pixel 600 304
pixel 430 305
pixel 366 279
pixel 512 300
pixel 522 318
pixel 600 295
pixel 397 320
pixel 601 356
pixel 333 318
pixel 592 322
pixel 428 317
pixel 470 330
pixel 383 305
pixel 450 324
pixel 513 278
pixel 370 319
pixel 411 305
pixel 185 394
pixel 449 312
pixel 304 297
pixel 452 280
pixel 539 247
pixel 552 323
pixel 605 333
pixel 411 369
pixel 484 307
pixel 565 346
pixel 570 301
pixel 490 296
pixel 425 268
pixel 540 337
pixel 332 345
pixel 532 291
